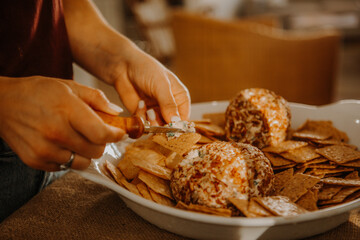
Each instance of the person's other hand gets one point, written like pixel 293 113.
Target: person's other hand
pixel 44 120
pixel 144 78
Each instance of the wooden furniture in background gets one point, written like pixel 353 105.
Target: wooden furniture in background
pixel 215 59
pixel 152 18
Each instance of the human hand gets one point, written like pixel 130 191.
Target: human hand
pixel 144 78
pixel 44 120
pixel 117 61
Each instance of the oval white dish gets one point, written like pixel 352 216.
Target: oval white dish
pixel 345 115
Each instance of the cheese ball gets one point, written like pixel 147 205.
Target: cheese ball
pixel 216 171
pixel 257 116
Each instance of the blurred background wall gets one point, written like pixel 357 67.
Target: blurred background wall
pixel 148 24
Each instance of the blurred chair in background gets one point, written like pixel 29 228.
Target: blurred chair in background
pixel 152 16
pixel 215 59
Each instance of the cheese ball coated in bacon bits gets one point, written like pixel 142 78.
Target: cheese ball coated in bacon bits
pixel 216 171
pixel 257 116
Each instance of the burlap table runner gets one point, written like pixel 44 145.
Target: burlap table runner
pixel 75 208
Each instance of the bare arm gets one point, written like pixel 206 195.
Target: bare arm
pixel 116 60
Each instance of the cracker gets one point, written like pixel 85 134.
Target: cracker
pixel 181 144
pixel 301 155
pixel 285 146
pixel 353 175
pixel 339 153
pixel 173 160
pixel 342 182
pixel 204 209
pixel 182 205
pixel 148 155
pixel 284 167
pixel 216 118
pixel 210 129
pixel 257 209
pixel 280 206
pixel 342 193
pixel 300 170
pixel 115 172
pixel 324 171
pixel 144 191
pixel 340 196
pixel 352 197
pixel 355 163
pixel 308 201
pixel 326 142
pixel 242 205
pixel 135 181
pixel 131 187
pixel 127 168
pixel 281 179
pixel 204 140
pixel 310 135
pixel 298 186
pixel 276 160
pixel 149 144
pixel 158 198
pixel 328 191
pixel 202 121
pixel 319 130
pixel 315 161
pixel 154 169
pixel 155 183
pixel 322 165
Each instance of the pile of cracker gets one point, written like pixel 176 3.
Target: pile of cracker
pixel 314 168
pixel 147 165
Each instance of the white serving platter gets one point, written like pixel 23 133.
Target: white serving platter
pixel 345 115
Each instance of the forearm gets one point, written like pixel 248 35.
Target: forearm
pixel 94 44
pixel 116 60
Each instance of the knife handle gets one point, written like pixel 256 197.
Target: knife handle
pixel 133 126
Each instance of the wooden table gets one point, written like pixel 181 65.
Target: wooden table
pixel 75 208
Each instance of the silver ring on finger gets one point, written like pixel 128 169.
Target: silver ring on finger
pixel 68 164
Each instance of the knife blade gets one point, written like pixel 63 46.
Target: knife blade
pixel 134 126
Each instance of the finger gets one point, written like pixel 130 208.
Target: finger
pixel 49 153
pixel 46 157
pixel 141 109
pixel 79 162
pixel 77 143
pixel 95 98
pixel 128 95
pixel 60 133
pixel 86 122
pixel 181 95
pixel 53 157
pixel 159 119
pixel 167 104
pixel 151 116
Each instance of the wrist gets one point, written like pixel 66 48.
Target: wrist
pixel 122 53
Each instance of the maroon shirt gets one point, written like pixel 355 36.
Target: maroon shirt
pixel 33 39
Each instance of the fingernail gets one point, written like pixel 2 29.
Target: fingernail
pixel 141 104
pixel 115 107
pixel 151 114
pixel 175 119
